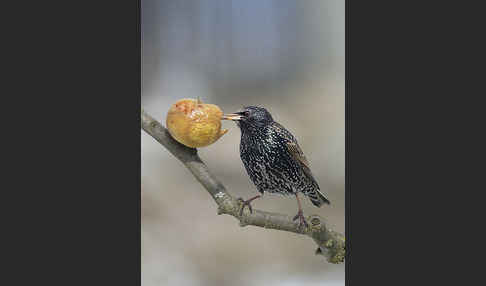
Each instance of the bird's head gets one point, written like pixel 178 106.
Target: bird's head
pixel 250 116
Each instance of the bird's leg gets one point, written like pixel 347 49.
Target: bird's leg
pixel 247 203
pixel 300 214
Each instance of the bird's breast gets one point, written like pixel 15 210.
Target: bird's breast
pixel 266 155
pixel 269 163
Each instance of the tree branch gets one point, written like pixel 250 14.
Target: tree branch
pixel 330 243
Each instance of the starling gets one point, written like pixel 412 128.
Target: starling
pixel 273 159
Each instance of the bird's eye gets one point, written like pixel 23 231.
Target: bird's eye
pixel 246 113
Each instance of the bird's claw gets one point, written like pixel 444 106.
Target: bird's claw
pixel 245 203
pixel 300 216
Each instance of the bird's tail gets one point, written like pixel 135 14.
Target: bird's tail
pixel 317 198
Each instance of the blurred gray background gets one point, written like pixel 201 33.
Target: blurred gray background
pixel 287 56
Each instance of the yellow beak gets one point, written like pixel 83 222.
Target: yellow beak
pixel 232 116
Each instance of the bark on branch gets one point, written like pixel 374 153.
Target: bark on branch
pixel 331 244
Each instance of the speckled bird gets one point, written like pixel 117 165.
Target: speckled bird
pixel 273 159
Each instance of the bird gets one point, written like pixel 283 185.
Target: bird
pixel 274 160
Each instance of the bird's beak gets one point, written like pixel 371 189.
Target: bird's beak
pixel 232 116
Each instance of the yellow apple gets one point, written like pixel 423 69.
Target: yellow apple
pixel 195 124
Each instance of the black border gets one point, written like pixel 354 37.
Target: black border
pixel 79 220
pixel 408 75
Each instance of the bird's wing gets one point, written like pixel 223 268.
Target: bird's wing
pixel 296 152
pixel 316 196
pixel 298 155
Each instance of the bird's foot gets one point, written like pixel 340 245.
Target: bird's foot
pixel 300 216
pixel 247 203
